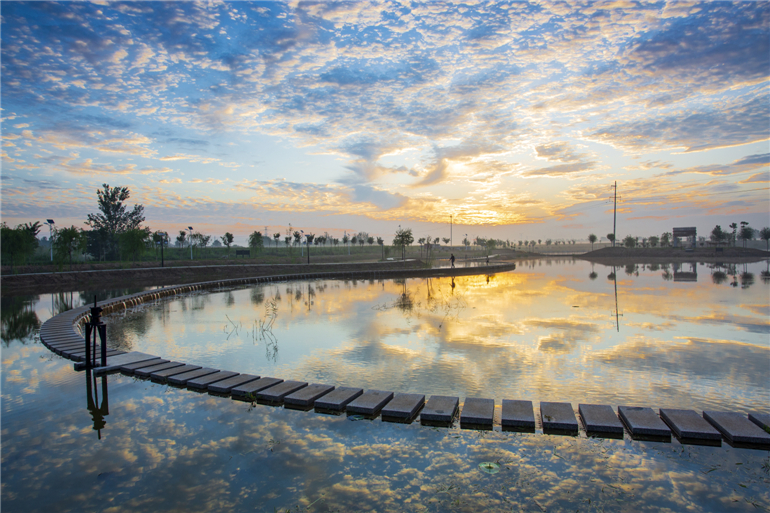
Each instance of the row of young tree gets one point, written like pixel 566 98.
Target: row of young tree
pixel 745 233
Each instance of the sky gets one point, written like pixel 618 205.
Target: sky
pixel 495 119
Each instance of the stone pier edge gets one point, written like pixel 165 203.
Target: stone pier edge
pixel 77 317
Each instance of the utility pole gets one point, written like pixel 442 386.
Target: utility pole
pixel 615 217
pixel 450 230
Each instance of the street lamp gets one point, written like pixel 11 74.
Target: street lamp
pixel 302 248
pixel 50 224
pixel 466 246
pixel 191 230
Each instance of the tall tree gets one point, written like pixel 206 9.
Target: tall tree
pixel 592 239
pixel 68 241
pixel 746 233
pixel 611 238
pixel 256 241
pixel 227 240
pixel 17 244
pixel 114 218
pixel 403 239
pixel 764 234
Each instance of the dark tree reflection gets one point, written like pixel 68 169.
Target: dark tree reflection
pixel 18 320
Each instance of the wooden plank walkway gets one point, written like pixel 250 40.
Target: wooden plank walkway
pixel 62 334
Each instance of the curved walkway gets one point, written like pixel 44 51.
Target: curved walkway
pixel 63 334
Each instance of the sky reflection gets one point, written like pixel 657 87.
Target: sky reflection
pixel 545 333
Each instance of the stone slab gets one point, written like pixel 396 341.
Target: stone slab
pixel 369 403
pixel 185 377
pixel 252 387
pixel 477 412
pixel 146 371
pixel 307 396
pixel 600 419
pixel 403 407
pixel 338 399
pixel 518 415
pixel 132 367
pixel 688 425
pixel 114 363
pixel 225 386
pixel 761 419
pixel 643 422
pixel 558 418
pixel 440 409
pixel 203 381
pixel 79 357
pixel 67 343
pixel 737 428
pixel 276 393
pixel 163 375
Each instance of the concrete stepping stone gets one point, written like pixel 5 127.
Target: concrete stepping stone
pixel 275 394
pixel 403 408
pixel 558 418
pixel 81 356
pixel 305 398
pixel 644 424
pixel 185 377
pixel 162 376
pixel 761 419
pixel 203 381
pixel 737 428
pixel 225 386
pixel 249 390
pixel 690 428
pixel 114 363
pixel 337 400
pixel 518 416
pixel 440 410
pixel 477 413
pixel 146 371
pixel 369 403
pixel 600 420
pixel 130 368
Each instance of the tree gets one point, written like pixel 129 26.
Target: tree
pixel 310 238
pixel 17 244
pixel 446 240
pixel 256 242
pixel 629 241
pixel 276 236
pixel 227 240
pixel 653 240
pixel 180 239
pixel 718 235
pixel 114 218
pixel 404 238
pixel 133 242
pixel 592 239
pixel 68 241
pixel 381 242
pixel 665 239
pixel 733 238
pixel 370 240
pixel 764 234
pixel 611 238
pixel 297 236
pixel 491 245
pixel 746 233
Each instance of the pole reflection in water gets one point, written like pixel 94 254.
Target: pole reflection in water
pixel 617 312
pixel 98 413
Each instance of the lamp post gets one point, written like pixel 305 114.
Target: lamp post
pixel 191 230
pixel 466 246
pixel 450 231
pixel 302 248
pixel 50 224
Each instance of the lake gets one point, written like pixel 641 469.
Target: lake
pixel 691 336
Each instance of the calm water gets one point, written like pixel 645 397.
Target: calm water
pixel 161 448
pixel 545 333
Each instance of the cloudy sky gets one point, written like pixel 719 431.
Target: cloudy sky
pixel 513 118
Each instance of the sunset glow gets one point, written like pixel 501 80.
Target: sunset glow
pixel 513 118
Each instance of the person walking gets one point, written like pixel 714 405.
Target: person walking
pixel 452 259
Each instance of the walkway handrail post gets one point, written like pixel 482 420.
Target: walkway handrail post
pixel 94 326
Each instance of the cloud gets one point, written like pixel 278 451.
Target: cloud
pixel 738 123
